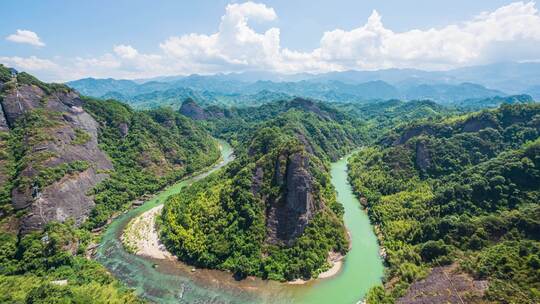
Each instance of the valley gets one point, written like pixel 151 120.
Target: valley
pixel 161 279
pixel 270 152
pixel 383 201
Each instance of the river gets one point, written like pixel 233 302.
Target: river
pixel 167 281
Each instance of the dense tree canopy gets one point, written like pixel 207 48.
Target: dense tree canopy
pixel 463 189
pixel 222 221
pixel 149 150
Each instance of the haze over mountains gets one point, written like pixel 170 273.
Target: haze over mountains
pixel 247 88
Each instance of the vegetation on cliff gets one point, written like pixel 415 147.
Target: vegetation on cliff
pixel 53 169
pixel 273 211
pixel 462 189
pixel 149 150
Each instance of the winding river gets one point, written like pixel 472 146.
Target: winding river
pixel 167 281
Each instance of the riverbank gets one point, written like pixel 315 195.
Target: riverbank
pixel 163 280
pixel 141 236
pixel 336 262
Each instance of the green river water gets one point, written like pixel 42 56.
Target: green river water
pixel 167 281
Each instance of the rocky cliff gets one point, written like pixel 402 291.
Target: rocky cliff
pixel 55 147
pixel 288 216
pixel 192 110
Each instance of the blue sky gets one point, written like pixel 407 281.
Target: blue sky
pixel 62 40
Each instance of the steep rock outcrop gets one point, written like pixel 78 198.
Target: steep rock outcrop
pixel 288 216
pixel 423 159
pixel 413 132
pixel 124 129
pixel 3 122
pixel 69 136
pixel 476 124
pixel 308 106
pixel 192 110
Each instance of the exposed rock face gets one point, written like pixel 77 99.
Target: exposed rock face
pixel 476 124
pixel 124 129
pixel 445 285
pixel 257 180
pixel 423 159
pixel 302 138
pixel 67 197
pixel 413 132
pixel 3 122
pixel 217 112
pixel 192 110
pixel 288 217
pixel 308 106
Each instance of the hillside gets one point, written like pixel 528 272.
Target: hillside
pixel 333 137
pixel 381 116
pixel 460 191
pixel 68 164
pixel 149 150
pixel 274 211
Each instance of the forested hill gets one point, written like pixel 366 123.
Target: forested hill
pixel 461 191
pixel 380 117
pixel 66 162
pixel 331 132
pixel 273 210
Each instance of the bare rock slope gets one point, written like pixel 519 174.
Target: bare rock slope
pixel 58 158
pixel 288 217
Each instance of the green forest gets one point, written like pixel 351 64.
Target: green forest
pixel 160 147
pixel 220 222
pixel 442 186
pixel 462 189
pixel 152 149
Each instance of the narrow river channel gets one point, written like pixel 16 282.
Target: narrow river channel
pixel 168 281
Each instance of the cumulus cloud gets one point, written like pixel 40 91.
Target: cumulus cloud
pixel 234 46
pixel 125 51
pixel 373 46
pixel 26 36
pixel 511 32
pixel 31 63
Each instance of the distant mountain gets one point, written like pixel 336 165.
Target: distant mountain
pixel 534 91
pixel 475 104
pixel 99 87
pixel 509 77
pixel 335 91
pixel 393 76
pixel 446 93
pixel 257 87
pixel 217 89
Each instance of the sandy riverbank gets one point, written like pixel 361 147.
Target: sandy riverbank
pixel 141 236
pixel 335 259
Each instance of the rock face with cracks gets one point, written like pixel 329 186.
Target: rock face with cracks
pixel 58 139
pixel 287 218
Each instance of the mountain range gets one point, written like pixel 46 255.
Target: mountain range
pixel 252 88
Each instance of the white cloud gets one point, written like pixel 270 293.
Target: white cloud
pixel 234 46
pixel 489 37
pixel 125 51
pixel 26 36
pixel 31 63
pixel 511 32
pixel 373 46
